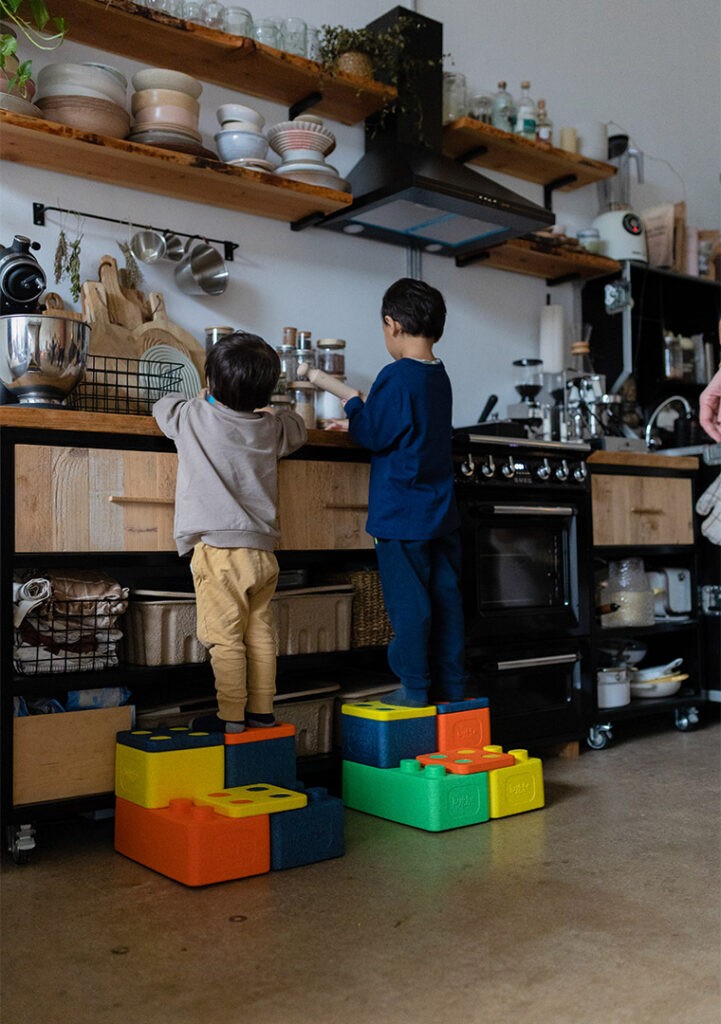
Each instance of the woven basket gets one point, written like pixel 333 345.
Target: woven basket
pixel 369 622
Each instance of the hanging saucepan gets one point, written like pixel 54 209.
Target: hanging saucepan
pixel 148 245
pixel 202 270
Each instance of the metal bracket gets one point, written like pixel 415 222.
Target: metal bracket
pixel 40 209
pixel 477 257
pixel 311 100
pixel 308 221
pixel 551 187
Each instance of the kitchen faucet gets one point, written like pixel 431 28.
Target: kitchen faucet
pixel 659 409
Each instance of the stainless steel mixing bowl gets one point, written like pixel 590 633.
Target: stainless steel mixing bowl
pixel 42 358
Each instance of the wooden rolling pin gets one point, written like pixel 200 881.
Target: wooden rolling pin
pixel 326 382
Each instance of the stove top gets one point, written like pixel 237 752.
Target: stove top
pixel 487 460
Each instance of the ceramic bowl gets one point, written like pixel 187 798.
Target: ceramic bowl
pixel 165 78
pixel 300 135
pixel 165 115
pixel 163 97
pixel 87 114
pixel 241 126
pixel 302 155
pixel 102 80
pixel 235 145
pixel 238 112
pixel 17 105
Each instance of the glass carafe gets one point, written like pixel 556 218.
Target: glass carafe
pixel 628 587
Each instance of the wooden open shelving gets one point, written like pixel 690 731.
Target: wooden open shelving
pixel 536 259
pixel 56 147
pixel 501 151
pixel 235 62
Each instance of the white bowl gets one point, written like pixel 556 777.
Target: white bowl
pixel 665 687
pixel 241 126
pixel 645 675
pixel 100 78
pixel 235 145
pixel 300 135
pixel 302 155
pixel 166 78
pixel 238 112
pixel 17 105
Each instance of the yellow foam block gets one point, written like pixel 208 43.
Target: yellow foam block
pixel 242 801
pixel 154 779
pixel 518 787
pixel 381 712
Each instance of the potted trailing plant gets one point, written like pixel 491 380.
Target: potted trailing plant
pixel 31 19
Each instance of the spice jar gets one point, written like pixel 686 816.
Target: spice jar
pixel 303 394
pixel 279 400
pixel 331 355
pixel 288 362
pixel 304 348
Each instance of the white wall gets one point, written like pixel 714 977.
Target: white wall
pixel 651 66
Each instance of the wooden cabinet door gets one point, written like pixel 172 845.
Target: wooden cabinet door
pixel 642 510
pixel 93 499
pixel 323 505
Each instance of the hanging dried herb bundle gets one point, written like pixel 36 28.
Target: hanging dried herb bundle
pixel 73 267
pixel 133 275
pixel 61 256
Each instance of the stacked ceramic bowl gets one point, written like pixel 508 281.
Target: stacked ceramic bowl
pixel 88 96
pixel 166 110
pixel 303 145
pixel 240 140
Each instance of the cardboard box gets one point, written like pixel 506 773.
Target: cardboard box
pixel 66 755
pixel 161 632
pixel 313 619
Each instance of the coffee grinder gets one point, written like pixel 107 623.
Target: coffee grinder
pixel 528 382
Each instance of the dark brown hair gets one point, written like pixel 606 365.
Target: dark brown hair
pixel 242 371
pixel 418 307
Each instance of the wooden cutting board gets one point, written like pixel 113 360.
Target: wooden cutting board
pixel 106 339
pixel 162 331
pixel 121 309
pixel 55 306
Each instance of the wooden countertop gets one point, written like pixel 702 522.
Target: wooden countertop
pixel 110 423
pixel 642 460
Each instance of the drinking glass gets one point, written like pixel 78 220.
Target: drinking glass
pixel 312 43
pixel 192 12
pixel 211 13
pixel 295 36
pixel 237 21
pixel 268 31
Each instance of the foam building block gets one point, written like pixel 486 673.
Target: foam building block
pixel 153 768
pixel 242 801
pixel 192 844
pixel 382 735
pixel 261 755
pixel 463 724
pixel 309 834
pixel 469 759
pixel 425 797
pixel 518 788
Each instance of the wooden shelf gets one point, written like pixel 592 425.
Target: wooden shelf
pixel 522 158
pixel 56 147
pixel 526 256
pixel 235 62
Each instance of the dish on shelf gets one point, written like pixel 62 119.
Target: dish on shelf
pixel 314 173
pixel 653 672
pixel 230 112
pixel 301 135
pixel 234 145
pixel 664 686
pixel 166 78
pixel 253 165
pixel 87 114
pixel 161 128
pixel 64 79
pixel 17 105
pixel 148 369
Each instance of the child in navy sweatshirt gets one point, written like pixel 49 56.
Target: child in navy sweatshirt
pixel 406 424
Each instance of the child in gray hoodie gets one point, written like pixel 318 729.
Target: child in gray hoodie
pixel 226 500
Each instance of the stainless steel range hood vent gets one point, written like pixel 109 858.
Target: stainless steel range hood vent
pixel 413 196
pixel 405 191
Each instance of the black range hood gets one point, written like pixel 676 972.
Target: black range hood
pixel 406 192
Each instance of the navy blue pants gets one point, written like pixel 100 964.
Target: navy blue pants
pixel 421 590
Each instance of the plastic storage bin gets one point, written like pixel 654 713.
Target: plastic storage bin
pixel 312 620
pixel 161 631
pixel 312 715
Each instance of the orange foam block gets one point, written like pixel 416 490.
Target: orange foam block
pixel 464 729
pixel 192 844
pixel 467 760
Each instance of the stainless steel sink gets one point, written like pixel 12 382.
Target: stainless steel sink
pixel 710 453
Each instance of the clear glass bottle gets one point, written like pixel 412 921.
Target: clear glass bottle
pixel 303 394
pixel 526 113
pixel 672 357
pixel 544 125
pixel 504 109
pixel 330 355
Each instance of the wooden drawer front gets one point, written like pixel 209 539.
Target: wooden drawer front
pixel 323 505
pixel 642 510
pixel 93 499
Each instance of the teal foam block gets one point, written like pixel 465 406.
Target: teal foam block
pixel 309 834
pixel 429 798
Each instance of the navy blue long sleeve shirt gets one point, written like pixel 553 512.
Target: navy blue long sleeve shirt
pixel 406 423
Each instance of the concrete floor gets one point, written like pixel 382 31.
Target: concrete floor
pixel 603 907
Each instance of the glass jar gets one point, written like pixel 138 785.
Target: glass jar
pixel 280 400
pixel 303 345
pixel 628 587
pixel 330 355
pixel 288 362
pixel 672 357
pixel 237 21
pixel 303 394
pixel 327 406
pixel 213 336
pixel 455 102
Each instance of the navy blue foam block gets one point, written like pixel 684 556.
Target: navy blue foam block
pixel 176 738
pixel 266 760
pixel 308 834
pixel 451 706
pixel 384 744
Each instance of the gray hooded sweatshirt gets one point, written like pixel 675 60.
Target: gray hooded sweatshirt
pixel 227 488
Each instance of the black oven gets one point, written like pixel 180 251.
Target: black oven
pixel 526 531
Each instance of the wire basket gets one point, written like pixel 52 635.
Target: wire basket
pixel 77 636
pixel 370 626
pixel 118 385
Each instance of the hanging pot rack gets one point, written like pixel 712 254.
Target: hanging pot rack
pixel 40 209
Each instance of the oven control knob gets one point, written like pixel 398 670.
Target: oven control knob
pixel 488 468
pixel 580 472
pixel 468 466
pixel 544 470
pixel 508 469
pixel 562 470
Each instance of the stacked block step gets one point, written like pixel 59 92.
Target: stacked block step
pixel 199 807
pixel 390 771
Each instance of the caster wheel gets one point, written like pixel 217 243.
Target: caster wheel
pixel 599 737
pixel 20 841
pixel 686 719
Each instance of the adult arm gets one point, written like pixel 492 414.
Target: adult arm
pixel 710 407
